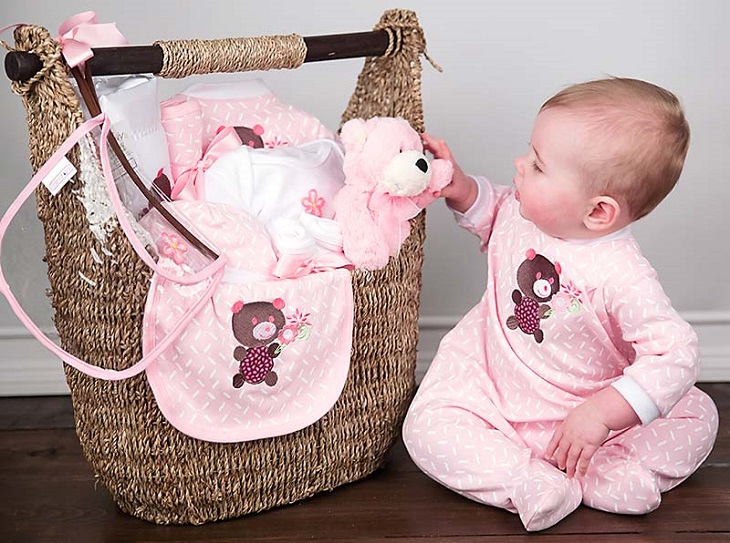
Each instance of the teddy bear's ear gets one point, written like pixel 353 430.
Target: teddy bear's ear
pixel 353 135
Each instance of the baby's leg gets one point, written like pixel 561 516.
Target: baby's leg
pixel 630 471
pixel 457 447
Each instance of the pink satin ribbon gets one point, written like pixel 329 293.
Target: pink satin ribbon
pixel 295 266
pixel 4 29
pixel 79 33
pixel 391 214
pixel 190 183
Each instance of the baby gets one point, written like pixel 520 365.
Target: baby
pixel 572 379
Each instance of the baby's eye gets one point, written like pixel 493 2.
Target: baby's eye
pixel 536 168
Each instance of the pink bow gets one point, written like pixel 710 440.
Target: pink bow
pixel 189 184
pixel 79 33
pixel 391 214
pixel 295 266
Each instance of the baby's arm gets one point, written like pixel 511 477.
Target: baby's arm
pixel 586 428
pixel 462 191
pixel 665 364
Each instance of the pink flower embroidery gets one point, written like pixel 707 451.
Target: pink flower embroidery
pixel 299 319
pixel 276 142
pixel 288 334
pixel 174 248
pixel 560 302
pixel 313 203
pixel 571 290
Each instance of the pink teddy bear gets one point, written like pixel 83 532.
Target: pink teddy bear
pixel 388 180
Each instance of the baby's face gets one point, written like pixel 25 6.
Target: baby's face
pixel 551 184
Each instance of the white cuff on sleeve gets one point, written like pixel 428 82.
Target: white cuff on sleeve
pixel 479 209
pixel 638 399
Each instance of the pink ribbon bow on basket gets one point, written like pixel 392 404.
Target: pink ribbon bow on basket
pixel 189 184
pixel 79 33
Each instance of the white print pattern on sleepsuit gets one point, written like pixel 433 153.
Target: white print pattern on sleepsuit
pixel 283 124
pixel 493 395
pixel 192 121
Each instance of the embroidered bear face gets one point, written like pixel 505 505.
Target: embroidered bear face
pixel 538 280
pixel 257 323
pixel 256 326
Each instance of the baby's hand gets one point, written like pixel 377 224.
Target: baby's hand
pixel 462 191
pixel 577 439
pixel 586 428
pixel 436 147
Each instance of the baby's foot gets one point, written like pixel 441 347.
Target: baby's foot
pixel 616 483
pixel 546 497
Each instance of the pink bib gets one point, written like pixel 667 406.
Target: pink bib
pixel 264 356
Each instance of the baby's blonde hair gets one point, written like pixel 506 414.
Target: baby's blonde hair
pixel 643 133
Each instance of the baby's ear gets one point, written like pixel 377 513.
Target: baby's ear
pixel 354 134
pixel 604 215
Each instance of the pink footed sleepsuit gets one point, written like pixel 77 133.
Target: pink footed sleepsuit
pixel 559 321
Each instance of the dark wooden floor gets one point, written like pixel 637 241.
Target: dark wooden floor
pixel 47 493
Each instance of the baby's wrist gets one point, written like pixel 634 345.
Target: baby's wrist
pixel 613 410
pixel 464 194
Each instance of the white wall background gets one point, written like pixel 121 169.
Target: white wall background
pixel 501 60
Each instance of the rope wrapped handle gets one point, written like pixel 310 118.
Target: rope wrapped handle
pixel 182 58
pixel 179 58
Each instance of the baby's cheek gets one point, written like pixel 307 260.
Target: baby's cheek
pixel 546 218
pixel 531 208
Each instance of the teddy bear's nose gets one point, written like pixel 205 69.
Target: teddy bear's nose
pixel 422 165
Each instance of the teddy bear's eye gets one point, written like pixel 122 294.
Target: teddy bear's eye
pixel 271 318
pixel 254 321
pixel 538 275
pixel 551 280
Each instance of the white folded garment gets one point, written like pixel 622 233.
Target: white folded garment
pixel 279 182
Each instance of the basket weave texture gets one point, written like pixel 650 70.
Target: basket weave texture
pixel 151 469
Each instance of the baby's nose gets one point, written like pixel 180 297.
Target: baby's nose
pixel 520 165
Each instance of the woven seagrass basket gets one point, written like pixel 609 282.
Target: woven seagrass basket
pixel 151 469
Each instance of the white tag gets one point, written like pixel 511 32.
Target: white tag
pixel 59 175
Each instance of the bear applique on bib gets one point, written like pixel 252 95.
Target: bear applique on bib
pixel 265 356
